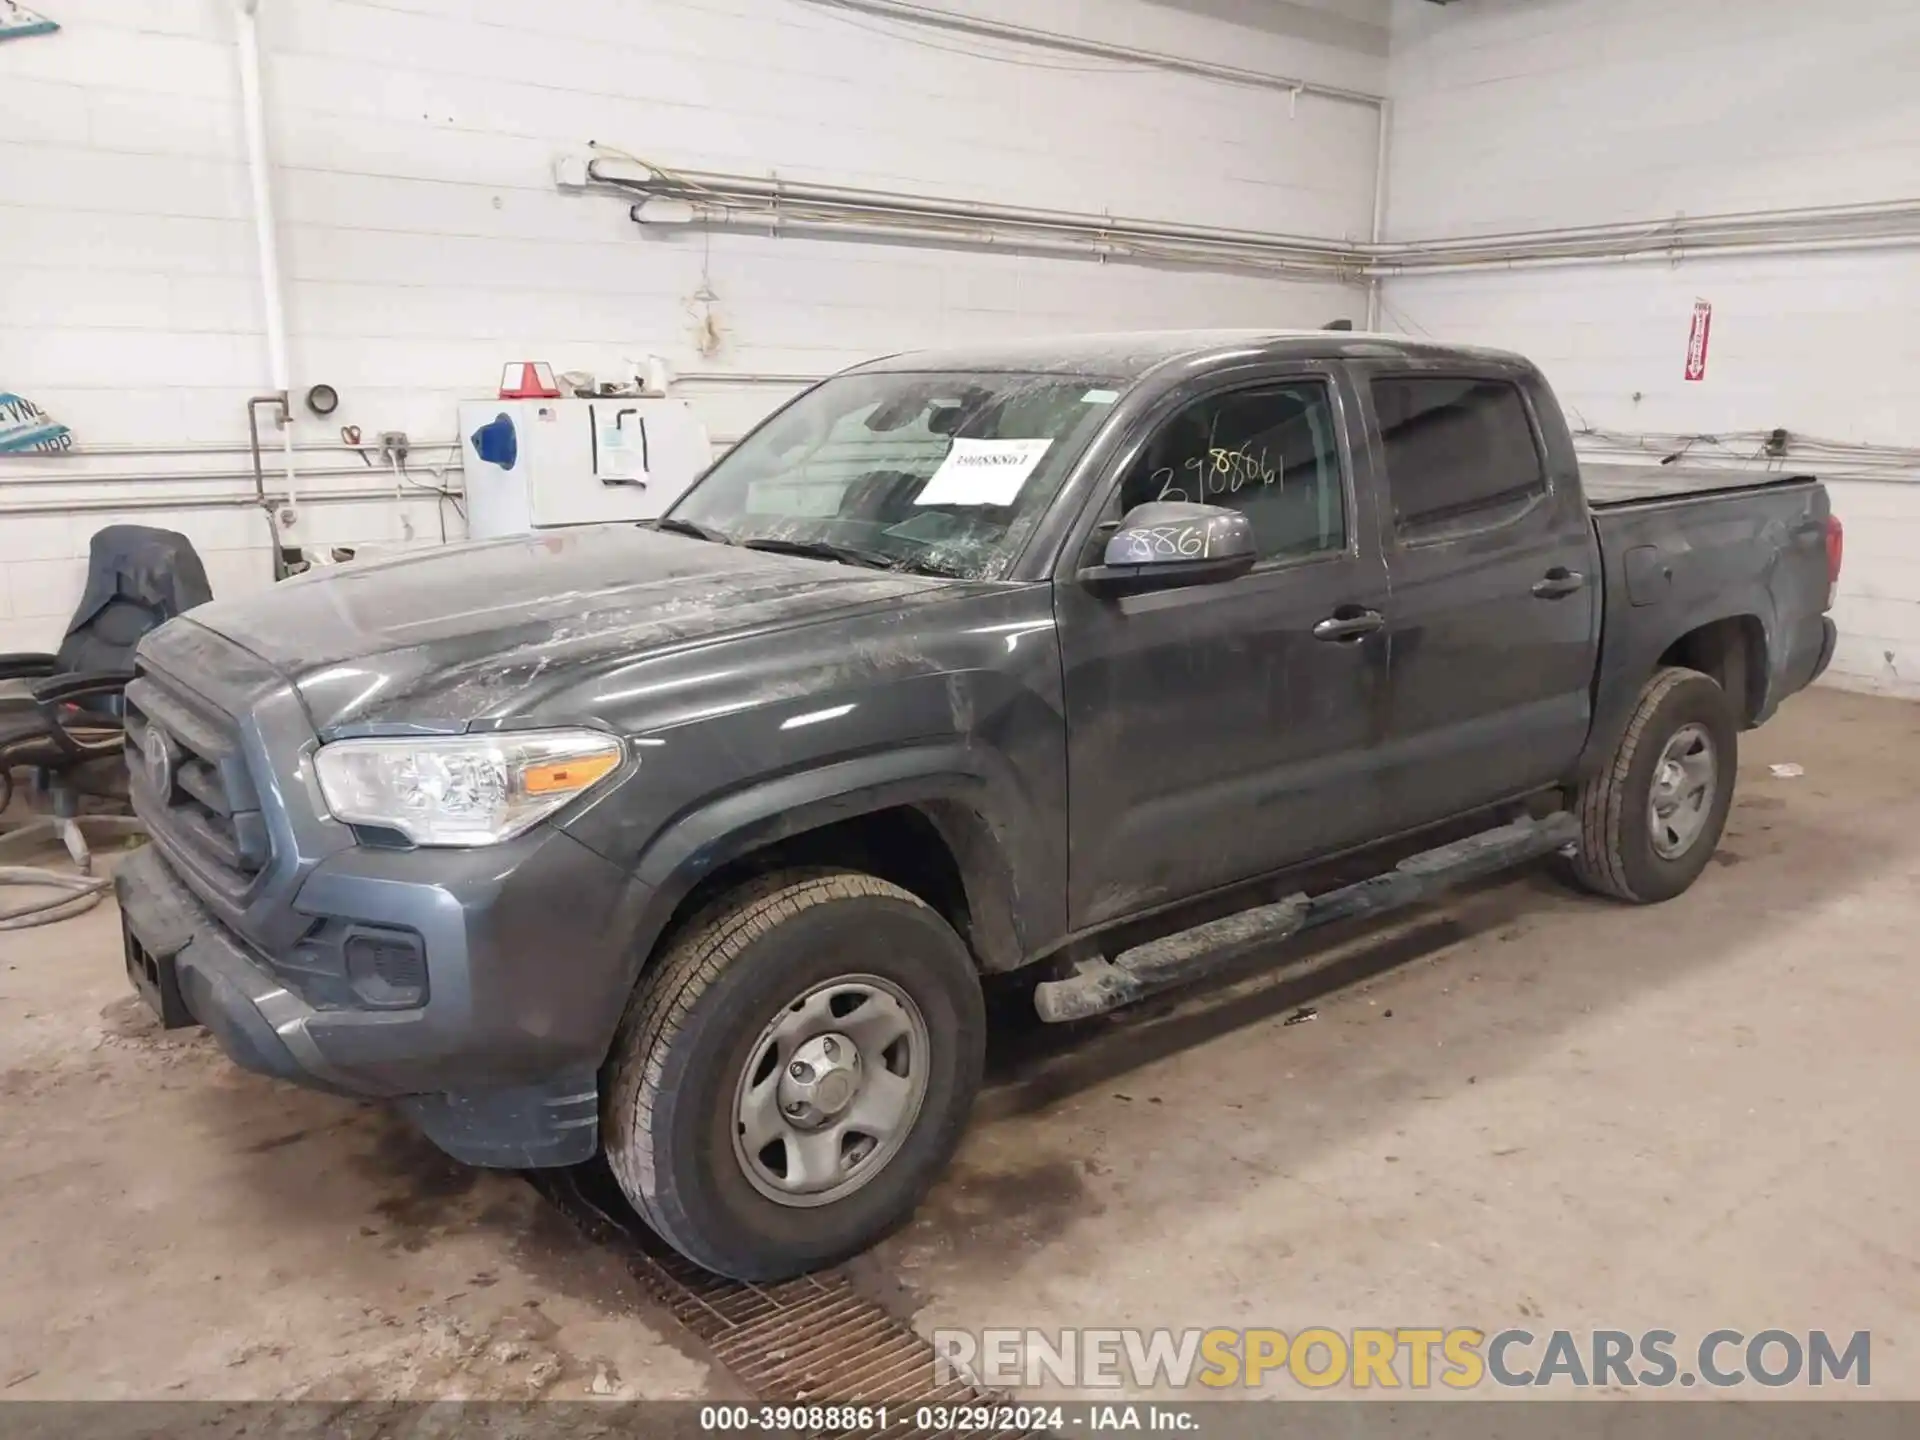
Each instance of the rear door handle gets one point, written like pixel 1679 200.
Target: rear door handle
pixel 1558 583
pixel 1354 626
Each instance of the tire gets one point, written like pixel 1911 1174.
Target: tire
pixel 1619 855
pixel 709 1008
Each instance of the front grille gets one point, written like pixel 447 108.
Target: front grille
pixel 189 778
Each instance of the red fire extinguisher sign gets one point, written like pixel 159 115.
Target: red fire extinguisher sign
pixel 1697 340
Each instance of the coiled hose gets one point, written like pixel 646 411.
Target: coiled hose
pixel 82 889
pixel 84 892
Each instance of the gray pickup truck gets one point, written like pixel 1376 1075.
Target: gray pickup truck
pixel 691 842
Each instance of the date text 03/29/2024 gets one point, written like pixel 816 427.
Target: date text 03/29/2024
pixel 956 1420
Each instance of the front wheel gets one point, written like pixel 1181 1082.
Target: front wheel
pixel 794 1073
pixel 1651 817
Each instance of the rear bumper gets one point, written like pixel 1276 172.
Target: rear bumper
pixel 1829 638
pixel 1807 651
pixel 499 1065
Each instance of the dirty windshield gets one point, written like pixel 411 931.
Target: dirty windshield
pixel 941 474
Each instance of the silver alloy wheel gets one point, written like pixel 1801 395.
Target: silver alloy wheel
pixel 830 1090
pixel 1684 784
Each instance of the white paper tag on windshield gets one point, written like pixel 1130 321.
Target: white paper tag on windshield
pixel 983 472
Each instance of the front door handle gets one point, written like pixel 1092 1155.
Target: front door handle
pixel 1558 583
pixel 1349 624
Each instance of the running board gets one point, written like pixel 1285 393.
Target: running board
pixel 1100 985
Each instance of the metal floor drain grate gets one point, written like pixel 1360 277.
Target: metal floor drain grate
pixel 814 1340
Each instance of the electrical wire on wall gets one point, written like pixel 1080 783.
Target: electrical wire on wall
pixel 395 449
pixel 437 486
pixel 1407 323
pixel 1774 449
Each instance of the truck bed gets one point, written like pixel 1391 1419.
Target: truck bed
pixel 1686 548
pixel 1609 486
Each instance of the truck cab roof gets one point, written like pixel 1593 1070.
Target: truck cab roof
pixel 1128 356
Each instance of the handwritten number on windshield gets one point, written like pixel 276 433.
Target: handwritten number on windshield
pixel 1218 472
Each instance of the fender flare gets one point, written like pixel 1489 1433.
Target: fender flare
pixel 943 780
pixel 1621 685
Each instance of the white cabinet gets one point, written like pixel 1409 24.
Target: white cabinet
pixel 541 464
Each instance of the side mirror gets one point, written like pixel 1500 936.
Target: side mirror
pixel 1168 544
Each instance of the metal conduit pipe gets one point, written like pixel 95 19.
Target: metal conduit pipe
pixel 210 447
pixel 1101 49
pixel 743 377
pixel 141 449
pixel 1661 244
pixel 269 507
pixel 182 502
pixel 1096 247
pixel 1047 243
pixel 773 205
pixel 725 189
pixel 1381 155
pixel 266 234
pixel 1781 220
pixel 717 187
pixel 1641 257
pixel 1335 260
pixel 1094 237
pixel 197 477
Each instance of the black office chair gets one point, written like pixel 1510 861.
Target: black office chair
pixel 137 578
pixel 60 714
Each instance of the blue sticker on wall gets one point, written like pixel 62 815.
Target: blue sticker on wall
pixel 25 426
pixel 496 443
pixel 17 22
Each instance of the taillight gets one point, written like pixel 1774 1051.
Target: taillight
pixel 1836 551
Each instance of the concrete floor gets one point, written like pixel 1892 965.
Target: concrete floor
pixel 1522 1107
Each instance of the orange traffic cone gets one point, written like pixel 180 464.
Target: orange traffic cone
pixel 528 380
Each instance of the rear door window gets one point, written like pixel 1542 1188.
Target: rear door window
pixel 1461 452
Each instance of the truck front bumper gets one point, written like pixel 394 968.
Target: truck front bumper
pixel 498 1064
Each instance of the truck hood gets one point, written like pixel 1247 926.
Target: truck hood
pixel 475 634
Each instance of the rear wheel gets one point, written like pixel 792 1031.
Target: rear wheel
pixel 794 1073
pixel 1651 817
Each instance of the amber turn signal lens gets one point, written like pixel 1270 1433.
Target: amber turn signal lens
pixel 560 777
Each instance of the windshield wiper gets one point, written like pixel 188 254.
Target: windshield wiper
pixel 673 525
pixel 922 565
pixel 822 550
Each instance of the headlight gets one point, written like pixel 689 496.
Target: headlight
pixel 463 789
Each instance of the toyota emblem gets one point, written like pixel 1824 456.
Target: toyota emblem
pixel 158 754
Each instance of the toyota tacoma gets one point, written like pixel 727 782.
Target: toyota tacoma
pixel 691 842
